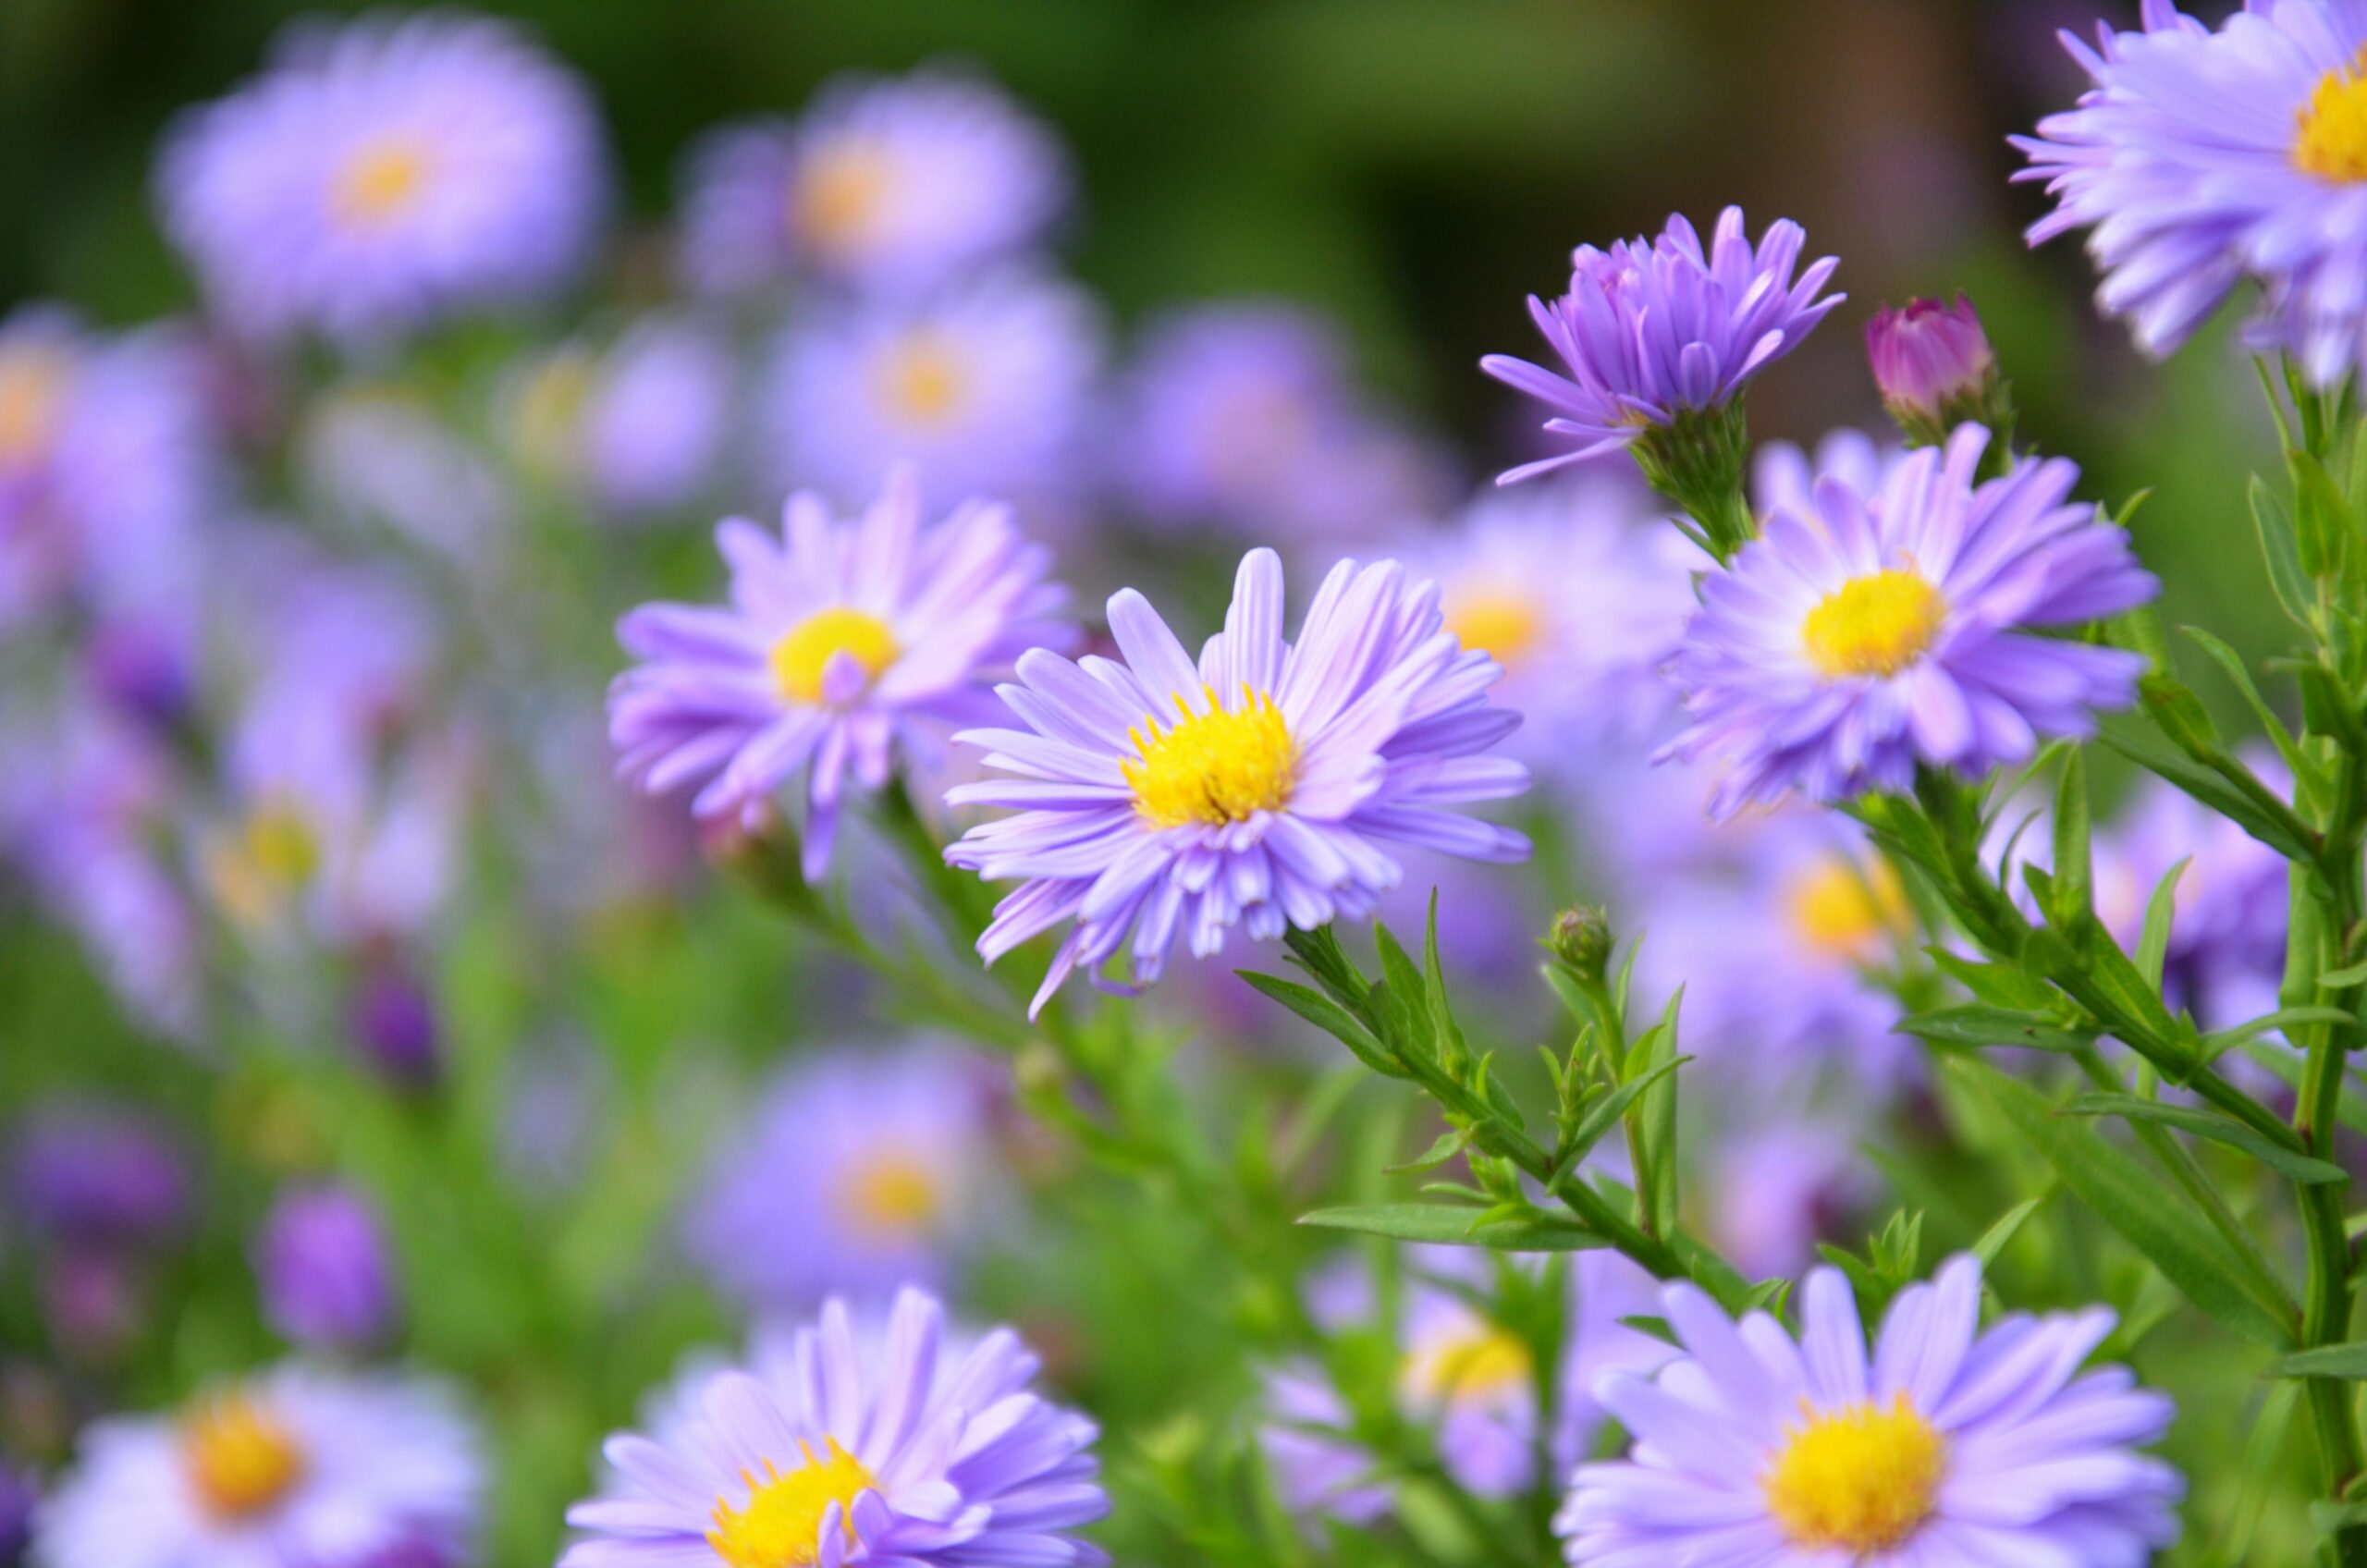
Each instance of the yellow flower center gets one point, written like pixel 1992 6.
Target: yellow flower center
pixel 1860 1478
pixel 1473 1364
pixel 781 1524
pixel 891 1193
pixel 838 194
pixel 923 381
pixel 1216 766
pixel 32 388
pixel 378 182
pixel 549 408
pixel 807 648
pixel 241 1459
pixel 2331 139
pixel 281 843
pixel 1503 623
pixel 1849 909
pixel 1874 625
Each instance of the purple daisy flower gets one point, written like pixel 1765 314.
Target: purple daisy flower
pixel 1783 1185
pixel 1246 415
pixel 98 1174
pixel 1784 476
pixel 844 640
pixel 383 172
pixel 1881 630
pixel 323 1269
pixel 1947 1447
pixel 2199 157
pixel 987 387
pixel 1264 800
pixel 896 1452
pixel 293 1468
pixel 875 1159
pixel 637 427
pixel 1653 330
pixel 885 182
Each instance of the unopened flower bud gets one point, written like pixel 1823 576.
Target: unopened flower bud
pixel 322 1264
pixel 1935 370
pixel 1581 940
pixel 393 1019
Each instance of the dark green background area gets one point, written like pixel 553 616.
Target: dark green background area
pixel 1414 166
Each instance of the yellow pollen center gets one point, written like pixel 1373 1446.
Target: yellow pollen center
pixel 241 1459
pixel 378 182
pixel 1501 623
pixel 2331 138
pixel 1849 909
pixel 1874 625
pixel 1217 767
pixel 923 381
pixel 807 648
pixel 1479 1362
pixel 551 406
pixel 32 385
pixel 838 194
pixel 1860 1478
pixel 781 1524
pixel 281 843
pixel 891 1193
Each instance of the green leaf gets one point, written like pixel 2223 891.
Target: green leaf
pixel 2280 830
pixel 2350 1111
pixel 2136 1201
pixel 2346 1362
pixel 2327 1518
pixel 2231 663
pixel 1454 1226
pixel 1997 983
pixel 1606 1112
pixel 2219 1128
pixel 2320 514
pixel 2154 944
pixel 1443 1024
pixel 2072 890
pixel 1406 983
pixel 1450 1144
pixel 1998 1237
pixel 2282 553
pixel 1653 1119
pixel 1979 1024
pixel 1326 1016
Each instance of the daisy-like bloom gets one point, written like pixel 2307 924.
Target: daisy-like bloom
pixel 1779 1188
pixel 844 640
pixel 293 1469
pixel 987 387
pixel 1244 414
pixel 1156 796
pixel 383 172
pixel 1784 476
pixel 638 427
pixel 1885 629
pixel 874 1158
pixel 1947 1446
pixel 897 1451
pixel 1654 330
pixel 2199 158
pixel 1581 592
pixel 885 182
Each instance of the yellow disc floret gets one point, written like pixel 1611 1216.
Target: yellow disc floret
pixel 806 650
pixel 1860 1479
pixel 1874 625
pixel 1479 1361
pixel 379 180
pixel 1501 623
pixel 838 194
pixel 922 380
pixel 2331 140
pixel 891 1194
pixel 240 1460
pixel 1848 908
pixel 781 1524
pixel 1217 767
pixel 33 386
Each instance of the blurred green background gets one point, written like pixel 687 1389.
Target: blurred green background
pixel 1415 165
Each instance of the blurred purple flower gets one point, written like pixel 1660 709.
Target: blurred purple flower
pixel 393 1023
pixel 1777 1189
pixel 321 1266
pixel 93 1174
pixel 637 427
pixel 383 172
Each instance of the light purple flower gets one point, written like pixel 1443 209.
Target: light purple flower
pixel 844 641
pixel 2198 157
pixel 1655 329
pixel 885 182
pixel 1581 592
pixel 1929 358
pixel 1244 415
pixel 93 1174
pixel 321 1265
pixel 1781 1185
pixel 636 427
pixel 896 1452
pixel 874 1159
pixel 107 471
pixel 987 386
pixel 293 1469
pixel 1264 799
pixel 1784 476
pixel 1947 1447
pixel 383 172
pixel 375 458
pixel 1883 631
